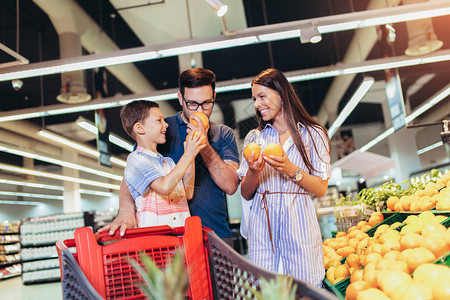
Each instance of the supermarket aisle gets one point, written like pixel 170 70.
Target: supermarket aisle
pixel 13 289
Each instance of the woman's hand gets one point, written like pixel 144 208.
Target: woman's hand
pixel 255 166
pixel 282 164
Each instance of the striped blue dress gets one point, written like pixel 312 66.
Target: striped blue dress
pixel 295 229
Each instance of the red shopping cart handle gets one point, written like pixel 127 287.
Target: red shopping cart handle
pixel 137 232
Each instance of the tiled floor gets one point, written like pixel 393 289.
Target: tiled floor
pixel 13 289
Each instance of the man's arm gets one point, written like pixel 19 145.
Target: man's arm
pixel 126 218
pixel 223 172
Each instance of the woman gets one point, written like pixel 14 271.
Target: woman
pixel 283 222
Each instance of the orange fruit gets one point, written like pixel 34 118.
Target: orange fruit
pixel 202 117
pixel 412 290
pixel 340 234
pixel 388 281
pixel 253 147
pixel 357 275
pixel 355 288
pixel 372 294
pixel 437 245
pixel 273 149
pixel 373 220
pixel 361 224
pixel 196 133
pixel 391 201
pixel 410 241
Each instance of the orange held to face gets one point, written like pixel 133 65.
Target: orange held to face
pixel 196 134
pixel 252 147
pixel 273 149
pixel 202 117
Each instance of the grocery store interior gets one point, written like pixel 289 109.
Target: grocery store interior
pixel 375 73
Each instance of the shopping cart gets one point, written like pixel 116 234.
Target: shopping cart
pixel 99 268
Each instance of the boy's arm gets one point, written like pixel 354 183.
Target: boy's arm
pixel 126 218
pixel 189 181
pixel 165 184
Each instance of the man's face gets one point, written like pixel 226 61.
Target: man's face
pixel 202 95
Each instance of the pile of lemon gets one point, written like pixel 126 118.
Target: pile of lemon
pixel 382 269
pixel 434 195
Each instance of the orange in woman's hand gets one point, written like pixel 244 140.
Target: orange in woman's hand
pixel 202 117
pixel 273 149
pixel 197 134
pixel 250 148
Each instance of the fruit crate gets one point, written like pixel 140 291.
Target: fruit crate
pixel 339 288
pixel 397 217
pixel 104 261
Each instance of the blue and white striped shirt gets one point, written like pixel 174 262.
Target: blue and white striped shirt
pixel 295 228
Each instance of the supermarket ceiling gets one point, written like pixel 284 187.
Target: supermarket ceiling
pixel 135 23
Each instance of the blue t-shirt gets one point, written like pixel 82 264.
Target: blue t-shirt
pixel 209 202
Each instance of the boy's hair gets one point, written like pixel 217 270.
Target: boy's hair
pixel 134 112
pixel 196 77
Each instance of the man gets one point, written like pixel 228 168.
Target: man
pixel 215 167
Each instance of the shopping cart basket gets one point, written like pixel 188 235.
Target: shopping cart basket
pixel 100 270
pixel 233 275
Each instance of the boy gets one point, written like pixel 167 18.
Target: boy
pixel 159 188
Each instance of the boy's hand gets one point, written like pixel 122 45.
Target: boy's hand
pixel 194 143
pixel 191 128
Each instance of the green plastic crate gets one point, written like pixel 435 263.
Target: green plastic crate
pixel 443 260
pixel 339 288
pixel 397 217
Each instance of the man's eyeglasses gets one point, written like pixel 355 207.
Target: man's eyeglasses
pixel 192 105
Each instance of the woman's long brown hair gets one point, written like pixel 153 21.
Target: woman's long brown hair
pixel 293 111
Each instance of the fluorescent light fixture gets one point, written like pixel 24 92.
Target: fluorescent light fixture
pixel 96 193
pixel 363 88
pixel 20 202
pixel 52 187
pixel 78 146
pixel 31 195
pixel 438 97
pixel 58 176
pixel 269 37
pixel 220 8
pixel 242 37
pixel 232 42
pixel 235 85
pixel 60 163
pixel 88 62
pixel 89 126
pixel 431 147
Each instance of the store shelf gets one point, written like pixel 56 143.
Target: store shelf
pixel 11 271
pixel 40 261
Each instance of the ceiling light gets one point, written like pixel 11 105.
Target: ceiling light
pixel 431 147
pixel 438 97
pixel 227 43
pixel 31 195
pixel 220 8
pixel 310 33
pixel 60 163
pixel 67 142
pixel 242 37
pixel 20 202
pixel 363 88
pixel 89 126
pixel 232 85
pixel 52 187
pixel 58 176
